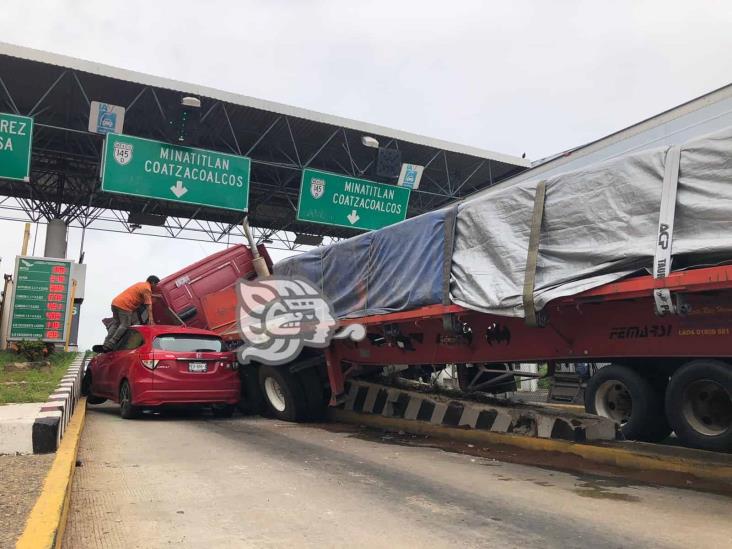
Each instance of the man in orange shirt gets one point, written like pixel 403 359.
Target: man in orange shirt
pixel 124 307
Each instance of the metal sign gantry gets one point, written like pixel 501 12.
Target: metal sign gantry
pixel 281 141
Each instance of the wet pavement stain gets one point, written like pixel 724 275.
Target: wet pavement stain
pixel 584 470
pixel 601 489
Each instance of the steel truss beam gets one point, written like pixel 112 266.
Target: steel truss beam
pixel 66 158
pixel 191 229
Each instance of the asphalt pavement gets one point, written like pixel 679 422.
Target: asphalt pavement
pixel 190 480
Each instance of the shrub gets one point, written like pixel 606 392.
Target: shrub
pixel 32 350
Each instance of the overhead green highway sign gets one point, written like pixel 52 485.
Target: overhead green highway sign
pixel 41 299
pixel 333 199
pixel 153 169
pixel 16 139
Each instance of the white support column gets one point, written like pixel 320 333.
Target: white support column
pixel 56 233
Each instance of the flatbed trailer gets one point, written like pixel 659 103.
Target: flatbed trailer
pixel 659 373
pixel 667 372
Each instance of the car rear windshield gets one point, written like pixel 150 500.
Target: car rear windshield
pixel 185 343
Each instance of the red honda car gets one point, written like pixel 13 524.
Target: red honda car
pixel 157 365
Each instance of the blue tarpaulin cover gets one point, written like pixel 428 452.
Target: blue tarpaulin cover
pixel 397 268
pixel 600 223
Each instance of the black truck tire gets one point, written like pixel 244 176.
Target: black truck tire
pixel 283 394
pixel 251 401
pixel 699 404
pixel 621 393
pixel 314 393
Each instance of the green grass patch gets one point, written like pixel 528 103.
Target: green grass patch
pixel 31 385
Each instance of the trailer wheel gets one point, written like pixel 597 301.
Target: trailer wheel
pixel 283 395
pixel 699 404
pixel 622 394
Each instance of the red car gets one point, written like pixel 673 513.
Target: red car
pixel 157 365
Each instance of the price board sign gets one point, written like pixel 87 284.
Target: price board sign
pixel 41 299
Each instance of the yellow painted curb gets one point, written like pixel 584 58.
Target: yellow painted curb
pixel 47 520
pixel 604 454
pixel 573 407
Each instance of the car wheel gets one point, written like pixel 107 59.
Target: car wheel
pixel 699 404
pixel 86 387
pixel 86 383
pixel 283 395
pixel 634 402
pixel 223 410
pixel 126 409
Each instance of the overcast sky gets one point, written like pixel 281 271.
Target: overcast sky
pixel 510 76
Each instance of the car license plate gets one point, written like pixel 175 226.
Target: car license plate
pixel 197 367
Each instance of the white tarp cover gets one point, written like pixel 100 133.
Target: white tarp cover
pixel 600 224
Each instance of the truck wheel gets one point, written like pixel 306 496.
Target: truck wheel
pixel 622 394
pixel 251 401
pixel 126 409
pixel 283 395
pixel 314 393
pixel 699 404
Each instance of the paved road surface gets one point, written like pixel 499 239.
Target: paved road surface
pixel 250 482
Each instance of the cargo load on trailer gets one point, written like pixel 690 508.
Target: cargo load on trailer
pixel 596 225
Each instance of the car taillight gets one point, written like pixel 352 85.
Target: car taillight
pixel 149 363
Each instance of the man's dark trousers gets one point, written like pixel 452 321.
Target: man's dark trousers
pixel 121 320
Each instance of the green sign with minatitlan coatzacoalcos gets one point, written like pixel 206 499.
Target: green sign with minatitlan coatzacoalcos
pixel 153 169
pixel 345 201
pixel 16 139
pixel 41 296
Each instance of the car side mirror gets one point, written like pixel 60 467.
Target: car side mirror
pixel 98 349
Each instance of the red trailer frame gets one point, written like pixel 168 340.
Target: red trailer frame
pixel 613 321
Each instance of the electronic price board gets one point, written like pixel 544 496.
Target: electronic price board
pixel 41 299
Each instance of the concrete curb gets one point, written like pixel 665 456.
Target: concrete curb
pixel 530 420
pixel 47 520
pixel 37 428
pixel 705 465
pixel 55 414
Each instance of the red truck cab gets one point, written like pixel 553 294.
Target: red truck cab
pixel 180 295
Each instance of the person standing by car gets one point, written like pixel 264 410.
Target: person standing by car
pixel 124 307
